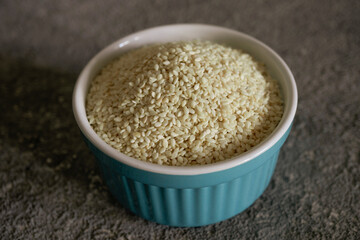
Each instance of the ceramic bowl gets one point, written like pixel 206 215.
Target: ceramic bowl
pixel 191 195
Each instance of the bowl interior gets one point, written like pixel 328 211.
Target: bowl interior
pixel 276 67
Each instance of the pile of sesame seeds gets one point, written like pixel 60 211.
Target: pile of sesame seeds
pixel 184 103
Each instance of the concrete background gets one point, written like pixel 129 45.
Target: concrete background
pixel 49 185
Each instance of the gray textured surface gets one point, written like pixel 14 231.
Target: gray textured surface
pixel 49 186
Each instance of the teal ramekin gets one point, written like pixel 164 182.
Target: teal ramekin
pixel 192 195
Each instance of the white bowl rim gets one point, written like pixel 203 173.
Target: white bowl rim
pixel 78 103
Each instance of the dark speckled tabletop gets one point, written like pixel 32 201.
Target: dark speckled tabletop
pixel 49 185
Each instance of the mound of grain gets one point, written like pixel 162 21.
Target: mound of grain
pixel 184 103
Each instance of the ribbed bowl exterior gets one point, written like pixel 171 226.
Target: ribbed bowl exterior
pixel 189 200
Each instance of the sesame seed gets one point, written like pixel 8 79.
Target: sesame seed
pixel 184 103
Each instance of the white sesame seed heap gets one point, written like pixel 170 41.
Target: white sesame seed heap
pixel 184 103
